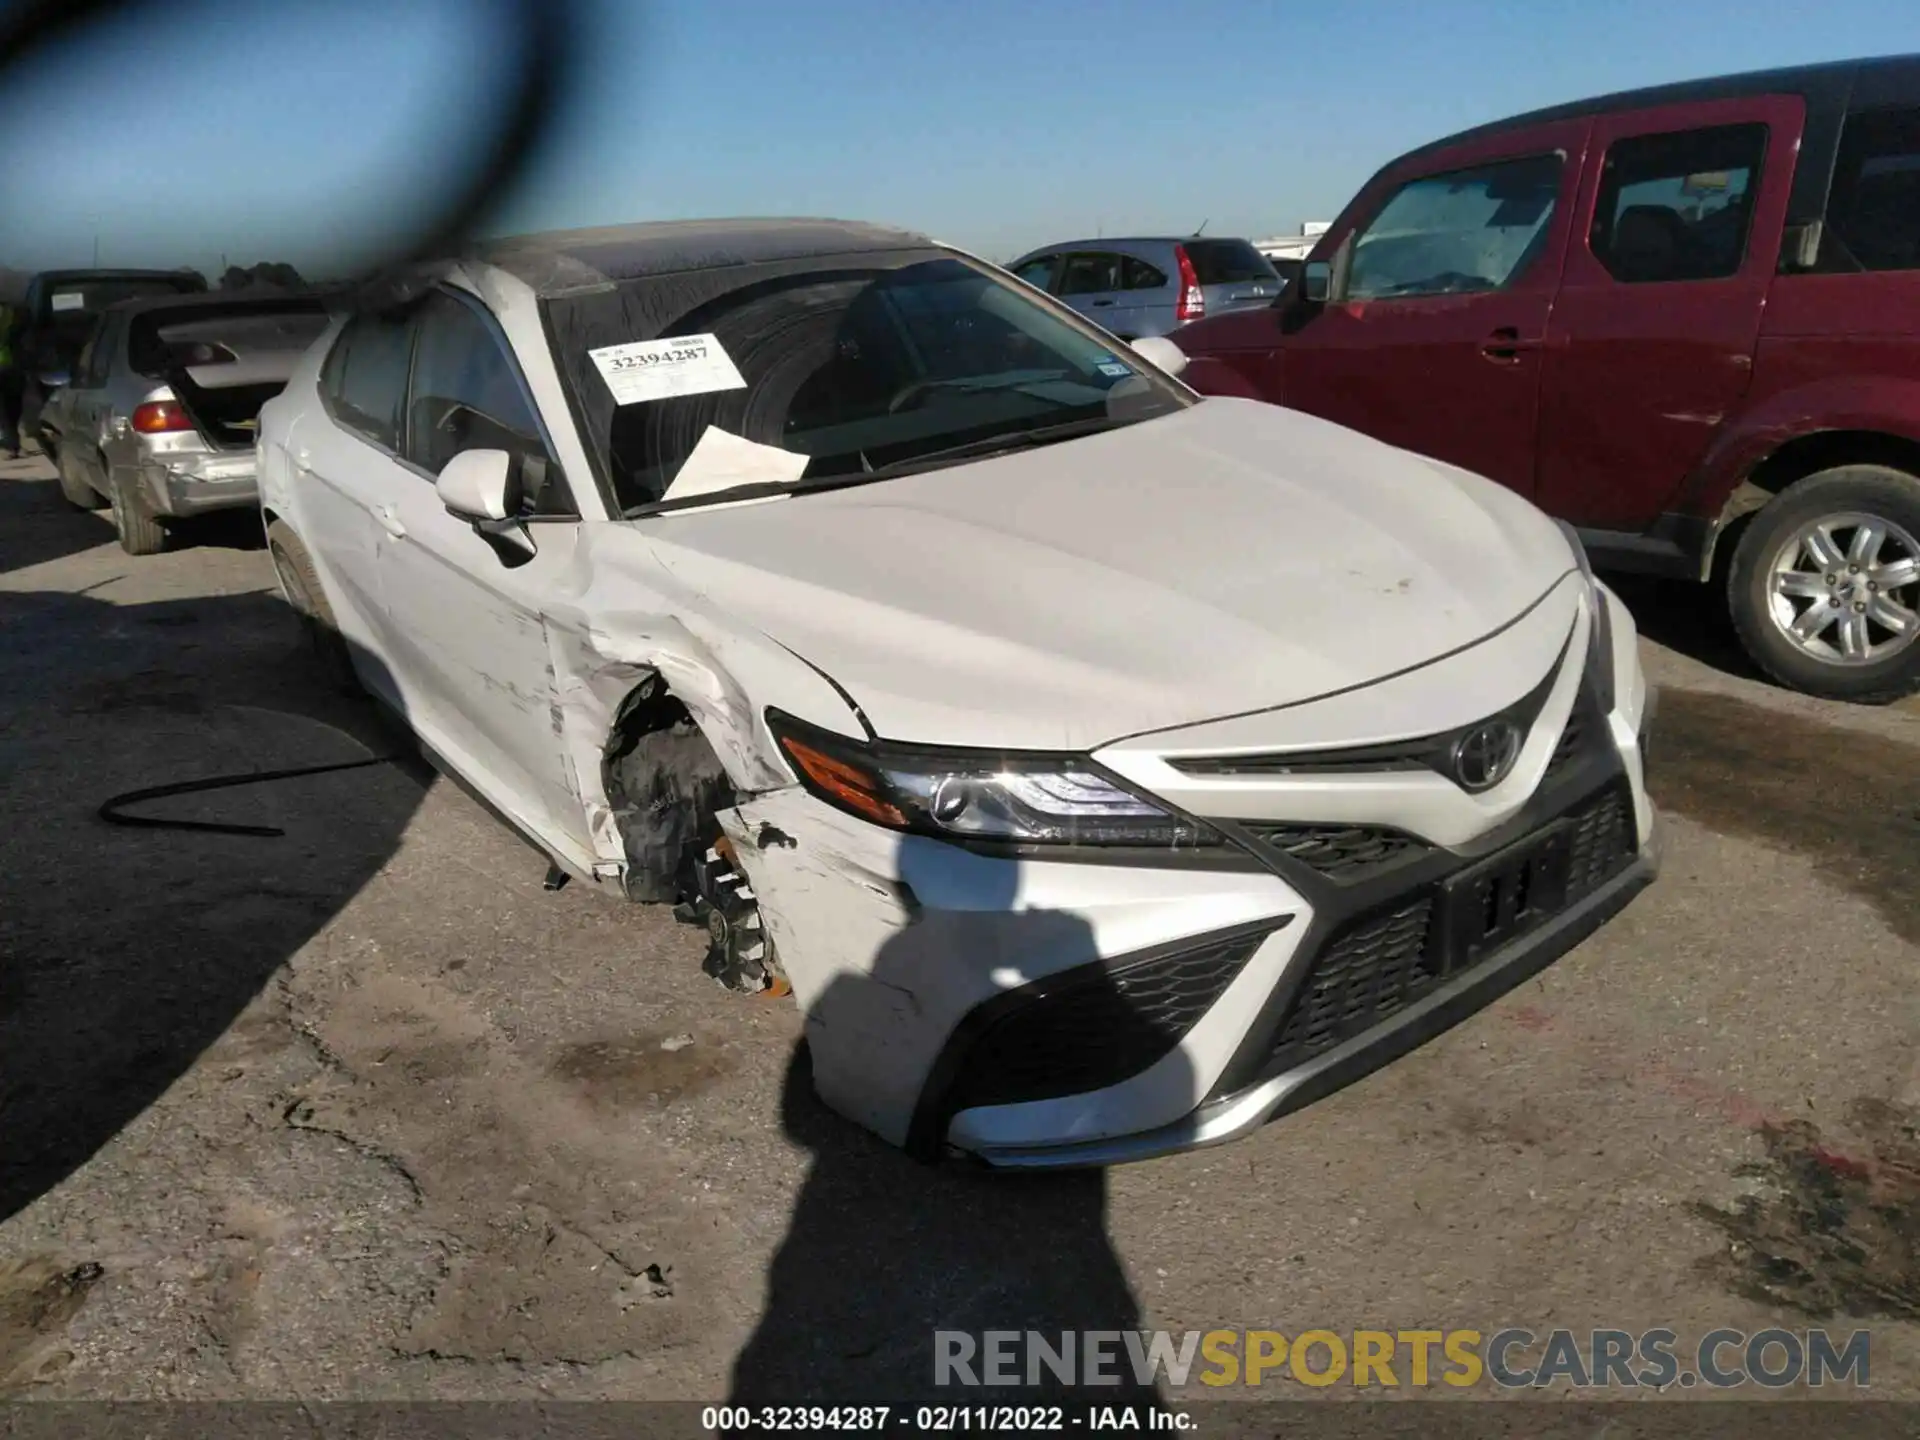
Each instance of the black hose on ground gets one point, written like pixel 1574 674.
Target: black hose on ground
pixel 112 810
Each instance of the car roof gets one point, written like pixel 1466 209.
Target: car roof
pixel 556 261
pixel 60 277
pixel 250 299
pixel 1104 242
pixel 1826 77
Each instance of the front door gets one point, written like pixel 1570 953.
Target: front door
pixel 1652 339
pixel 1090 282
pixel 467 620
pixel 1436 344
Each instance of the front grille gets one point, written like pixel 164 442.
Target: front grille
pixel 1097 1028
pixel 1361 977
pixel 1387 960
pixel 1341 852
pixel 1604 838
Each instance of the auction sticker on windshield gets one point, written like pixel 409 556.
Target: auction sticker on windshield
pixel 661 369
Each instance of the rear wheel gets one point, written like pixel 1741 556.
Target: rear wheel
pixel 134 522
pixel 309 601
pixel 1825 585
pixel 74 487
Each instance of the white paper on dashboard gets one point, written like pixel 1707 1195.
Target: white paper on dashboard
pixel 661 369
pixel 723 460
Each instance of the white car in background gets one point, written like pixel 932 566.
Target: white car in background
pixel 1106 770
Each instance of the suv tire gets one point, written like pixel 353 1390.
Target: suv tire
pixel 1826 509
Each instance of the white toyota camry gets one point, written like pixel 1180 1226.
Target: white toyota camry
pixel 1107 770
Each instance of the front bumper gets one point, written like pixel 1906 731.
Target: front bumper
pixel 1083 1011
pixel 187 485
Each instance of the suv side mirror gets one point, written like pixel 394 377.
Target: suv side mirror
pixel 1324 282
pixel 477 485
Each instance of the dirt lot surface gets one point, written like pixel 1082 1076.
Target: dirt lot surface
pixel 364 1111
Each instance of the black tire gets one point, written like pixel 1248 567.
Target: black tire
pixel 74 488
pixel 309 601
pixel 1878 491
pixel 134 522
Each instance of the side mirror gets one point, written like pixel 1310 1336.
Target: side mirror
pixel 1161 353
pixel 477 485
pixel 1324 282
pixel 54 379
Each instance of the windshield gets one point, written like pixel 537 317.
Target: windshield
pixel 831 376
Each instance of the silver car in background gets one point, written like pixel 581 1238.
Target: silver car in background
pixel 158 421
pixel 1138 287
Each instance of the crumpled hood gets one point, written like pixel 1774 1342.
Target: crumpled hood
pixel 1230 557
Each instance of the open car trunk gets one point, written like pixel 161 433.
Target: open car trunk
pixel 224 366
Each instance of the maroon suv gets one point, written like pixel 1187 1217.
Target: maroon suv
pixel 1670 317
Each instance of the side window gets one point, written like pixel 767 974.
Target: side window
pixel 1090 274
pixel 1137 274
pixel 466 395
pixel 1463 232
pixel 1677 206
pixel 1873 212
pixel 366 376
pixel 1037 272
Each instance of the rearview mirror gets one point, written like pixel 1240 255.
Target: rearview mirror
pixel 477 485
pixel 1161 352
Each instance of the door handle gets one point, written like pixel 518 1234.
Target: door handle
pixel 1098 303
pixel 389 518
pixel 1505 346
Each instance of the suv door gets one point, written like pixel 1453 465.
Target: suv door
pixel 1652 339
pixel 469 634
pixel 1435 345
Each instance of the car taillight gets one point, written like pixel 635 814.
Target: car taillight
pixel 161 417
pixel 1193 300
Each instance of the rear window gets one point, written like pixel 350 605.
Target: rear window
pixel 72 300
pixel 1226 262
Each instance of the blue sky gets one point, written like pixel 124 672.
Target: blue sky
pixel 300 129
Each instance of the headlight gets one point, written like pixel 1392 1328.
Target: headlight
pixel 975 795
pixel 1600 638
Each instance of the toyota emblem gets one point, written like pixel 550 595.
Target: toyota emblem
pixel 1484 756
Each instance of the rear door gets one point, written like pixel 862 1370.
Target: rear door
pixel 1148 295
pixel 1436 346
pixel 1651 344
pixel 1089 281
pixel 346 470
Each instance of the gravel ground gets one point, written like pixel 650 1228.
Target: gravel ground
pixel 364 1112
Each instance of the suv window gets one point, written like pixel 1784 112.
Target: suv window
pixel 1873 212
pixel 466 395
pixel 1037 272
pixel 1677 206
pixel 1090 274
pixel 1226 262
pixel 1137 274
pixel 1469 230
pixel 366 376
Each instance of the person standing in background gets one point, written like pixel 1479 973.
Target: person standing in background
pixel 13 382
